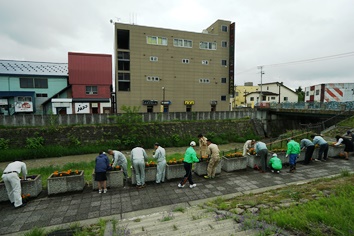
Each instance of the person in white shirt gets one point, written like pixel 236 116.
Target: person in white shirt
pixel 160 156
pixel 246 147
pixel 138 157
pixel 120 160
pixel 12 181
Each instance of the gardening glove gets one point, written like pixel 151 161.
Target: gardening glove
pixel 287 156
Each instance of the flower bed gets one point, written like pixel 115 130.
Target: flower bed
pixel 200 168
pixel 31 186
pixel 175 171
pixel 150 173
pixel 234 163
pixel 334 150
pixel 115 178
pixel 67 181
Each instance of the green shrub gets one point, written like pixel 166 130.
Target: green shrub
pixel 4 143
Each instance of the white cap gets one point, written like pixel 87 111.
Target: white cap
pixel 192 144
pixel 275 155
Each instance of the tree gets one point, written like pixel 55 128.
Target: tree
pixel 300 94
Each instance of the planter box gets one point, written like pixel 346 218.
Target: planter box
pixel 235 163
pixel 32 187
pixel 150 174
pixel 200 168
pixel 253 159
pixel 175 171
pixel 115 179
pixel 65 184
pixel 334 150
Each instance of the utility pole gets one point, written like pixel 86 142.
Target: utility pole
pixel 262 73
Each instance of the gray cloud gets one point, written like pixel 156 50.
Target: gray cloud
pixel 267 32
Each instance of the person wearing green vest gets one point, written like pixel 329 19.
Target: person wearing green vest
pixel 293 153
pixel 275 164
pixel 190 157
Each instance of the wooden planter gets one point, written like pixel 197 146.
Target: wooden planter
pixel 150 174
pixel 115 179
pixel 175 171
pixel 235 163
pixel 32 187
pixel 200 168
pixel 65 184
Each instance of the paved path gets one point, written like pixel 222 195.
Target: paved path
pixel 89 205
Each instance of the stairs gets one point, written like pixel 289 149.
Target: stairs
pixel 193 221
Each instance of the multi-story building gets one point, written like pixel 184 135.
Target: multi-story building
pixel 26 85
pixel 338 92
pixel 174 71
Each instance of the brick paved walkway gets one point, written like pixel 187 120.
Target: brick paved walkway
pixel 55 210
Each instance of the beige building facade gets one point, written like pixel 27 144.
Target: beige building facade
pixel 174 71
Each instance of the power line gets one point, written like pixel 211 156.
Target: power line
pixel 337 56
pixel 317 59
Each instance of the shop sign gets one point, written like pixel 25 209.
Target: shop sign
pixel 82 108
pixel 166 102
pixel 150 102
pixel 23 106
pixel 189 102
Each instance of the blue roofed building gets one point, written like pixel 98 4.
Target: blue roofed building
pixel 26 85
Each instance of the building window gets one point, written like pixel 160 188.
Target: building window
pixel 307 93
pixel 224 44
pixel 223 97
pixel 204 81
pixel 317 92
pixel 224 62
pixel 185 61
pixel 183 43
pixel 223 80
pixel 123 56
pixel 123 81
pixel 33 83
pixel 91 90
pixel 207 45
pixel 286 98
pixel 205 62
pixel 272 98
pixel 41 95
pixel 224 28
pixel 152 58
pixel 156 40
pixel 252 99
pixel 152 78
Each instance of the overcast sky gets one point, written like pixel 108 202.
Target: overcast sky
pixel 269 33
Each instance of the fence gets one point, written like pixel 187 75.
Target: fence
pixel 91 119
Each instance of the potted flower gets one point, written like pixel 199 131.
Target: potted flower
pixel 65 181
pixel 234 161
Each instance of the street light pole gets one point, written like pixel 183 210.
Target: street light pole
pixel 262 73
pixel 163 100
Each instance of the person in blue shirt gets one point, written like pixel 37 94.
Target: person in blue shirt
pixel 102 165
pixel 262 151
pixel 317 139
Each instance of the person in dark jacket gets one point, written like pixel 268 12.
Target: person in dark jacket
pixel 102 165
pixel 349 147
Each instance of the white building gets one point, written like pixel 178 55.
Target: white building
pixel 271 92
